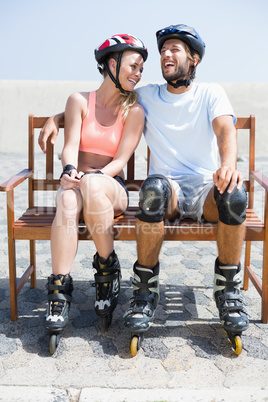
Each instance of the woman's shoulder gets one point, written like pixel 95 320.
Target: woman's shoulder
pixel 79 97
pixel 136 114
pixel 136 110
pixel 78 101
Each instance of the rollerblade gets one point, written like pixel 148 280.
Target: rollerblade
pixel 60 289
pixel 233 315
pixel 107 283
pixel 139 317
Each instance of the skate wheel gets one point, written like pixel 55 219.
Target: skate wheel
pixel 53 343
pixel 134 345
pixel 106 322
pixel 238 345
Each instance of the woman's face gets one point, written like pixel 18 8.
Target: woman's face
pixel 130 70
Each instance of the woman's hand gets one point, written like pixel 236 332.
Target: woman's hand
pixel 71 181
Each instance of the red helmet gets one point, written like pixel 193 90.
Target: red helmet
pixel 120 43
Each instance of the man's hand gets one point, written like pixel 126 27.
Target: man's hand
pixel 51 127
pixel 225 175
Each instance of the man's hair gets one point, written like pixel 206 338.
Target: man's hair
pixel 191 54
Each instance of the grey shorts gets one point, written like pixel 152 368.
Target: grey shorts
pixel 191 191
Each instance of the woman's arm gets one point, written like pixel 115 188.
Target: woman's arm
pixel 72 129
pixel 131 136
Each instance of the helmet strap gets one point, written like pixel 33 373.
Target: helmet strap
pixel 116 80
pixel 182 83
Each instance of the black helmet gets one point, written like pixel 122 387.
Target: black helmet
pixel 120 43
pixel 184 33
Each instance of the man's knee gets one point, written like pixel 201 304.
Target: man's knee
pixel 231 207
pixel 155 194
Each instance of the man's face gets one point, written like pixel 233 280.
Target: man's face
pixel 174 60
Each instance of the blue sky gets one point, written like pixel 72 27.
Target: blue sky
pixel 55 39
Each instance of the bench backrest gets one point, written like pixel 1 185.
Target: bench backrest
pixel 50 182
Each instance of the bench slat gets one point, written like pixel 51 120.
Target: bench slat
pixel 35 224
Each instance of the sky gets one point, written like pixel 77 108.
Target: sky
pixel 55 39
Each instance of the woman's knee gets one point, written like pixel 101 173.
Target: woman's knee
pixel 92 187
pixel 68 202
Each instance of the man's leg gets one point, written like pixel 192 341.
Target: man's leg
pixel 157 200
pixel 150 233
pixel 149 237
pixel 229 237
pixel 229 210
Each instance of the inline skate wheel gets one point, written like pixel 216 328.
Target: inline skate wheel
pixel 134 345
pixel 237 345
pixel 106 321
pixel 53 343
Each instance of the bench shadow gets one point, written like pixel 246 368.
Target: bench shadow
pixel 177 324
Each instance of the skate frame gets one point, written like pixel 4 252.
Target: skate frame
pixel 35 223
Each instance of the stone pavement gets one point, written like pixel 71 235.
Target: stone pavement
pixel 184 357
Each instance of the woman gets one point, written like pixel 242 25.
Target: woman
pixel 102 130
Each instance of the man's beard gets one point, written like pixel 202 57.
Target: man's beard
pixel 181 73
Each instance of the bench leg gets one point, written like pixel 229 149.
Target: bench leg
pixel 33 263
pixel 264 312
pixel 14 285
pixel 13 292
pixel 247 264
pixel 12 279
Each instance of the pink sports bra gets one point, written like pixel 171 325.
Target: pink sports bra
pixel 96 138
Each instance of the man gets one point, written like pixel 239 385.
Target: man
pixel 186 124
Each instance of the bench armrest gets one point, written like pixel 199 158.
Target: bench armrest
pixel 260 178
pixel 14 181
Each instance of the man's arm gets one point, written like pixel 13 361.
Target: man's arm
pixel 227 143
pixel 51 127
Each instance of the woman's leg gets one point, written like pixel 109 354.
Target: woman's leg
pixel 64 238
pixel 63 250
pixel 103 198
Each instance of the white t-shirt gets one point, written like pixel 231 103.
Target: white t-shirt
pixel 178 128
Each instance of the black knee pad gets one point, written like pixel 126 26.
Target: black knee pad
pixel 231 207
pixel 155 194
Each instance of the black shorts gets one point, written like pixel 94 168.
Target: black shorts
pixel 122 182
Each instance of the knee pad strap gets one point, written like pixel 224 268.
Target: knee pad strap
pixel 155 194
pixel 231 207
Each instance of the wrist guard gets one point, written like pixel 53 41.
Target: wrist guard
pixel 67 170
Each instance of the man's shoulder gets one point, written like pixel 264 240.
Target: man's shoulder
pixel 209 87
pixel 149 88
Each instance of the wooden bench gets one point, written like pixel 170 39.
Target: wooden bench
pixel 35 223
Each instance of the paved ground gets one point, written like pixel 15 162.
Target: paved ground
pixel 185 356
